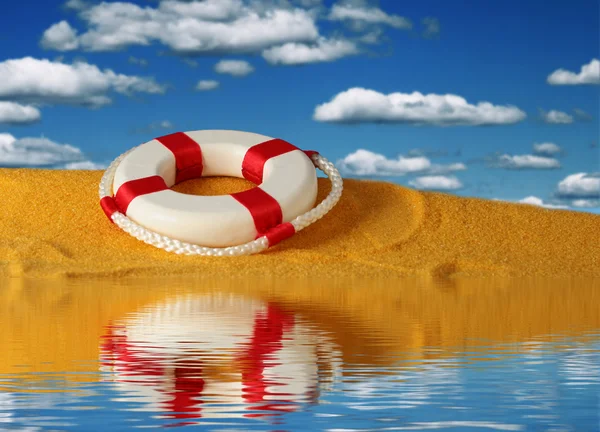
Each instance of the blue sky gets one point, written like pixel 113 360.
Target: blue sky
pixel 114 75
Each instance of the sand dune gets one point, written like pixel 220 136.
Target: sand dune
pixel 52 226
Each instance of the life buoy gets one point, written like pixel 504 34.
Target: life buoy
pixel 237 224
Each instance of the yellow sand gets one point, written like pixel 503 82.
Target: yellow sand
pixel 51 225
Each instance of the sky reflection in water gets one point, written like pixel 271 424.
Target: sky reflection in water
pixel 312 355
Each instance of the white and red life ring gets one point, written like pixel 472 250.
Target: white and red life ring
pixel 237 224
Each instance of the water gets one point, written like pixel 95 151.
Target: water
pixel 311 355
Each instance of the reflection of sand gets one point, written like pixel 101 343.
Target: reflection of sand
pixel 53 225
pixel 56 326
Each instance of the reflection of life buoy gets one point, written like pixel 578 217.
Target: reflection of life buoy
pixel 136 367
pixel 279 206
pixel 267 335
pixel 247 355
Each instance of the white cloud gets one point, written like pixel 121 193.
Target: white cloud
pixel 211 10
pixel 210 26
pixel 14 113
pixel 371 15
pixel 205 85
pixel 432 27
pixel 84 165
pixel 546 149
pixel 367 163
pixel 41 151
pixel 238 68
pixel 516 162
pixel 309 3
pixel 533 200
pixel 372 37
pixel 438 182
pixel 585 203
pixel 358 105
pixel 77 4
pixel 445 169
pixel 580 185
pixel 589 74
pixel 322 51
pixel 60 37
pixel 556 117
pixel 6 139
pixel 51 82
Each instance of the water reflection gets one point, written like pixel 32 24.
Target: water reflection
pixel 494 354
pixel 216 356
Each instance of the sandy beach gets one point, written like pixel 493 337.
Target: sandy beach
pixel 52 226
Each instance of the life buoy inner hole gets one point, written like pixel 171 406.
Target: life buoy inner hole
pixel 221 162
pixel 207 186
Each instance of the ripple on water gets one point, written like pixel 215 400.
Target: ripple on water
pixel 407 356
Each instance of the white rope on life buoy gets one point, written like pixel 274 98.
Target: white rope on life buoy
pixel 265 215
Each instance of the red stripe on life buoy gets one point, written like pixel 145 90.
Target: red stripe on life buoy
pixel 280 233
pixel 256 157
pixel 310 154
pixel 188 155
pixel 109 206
pixel 265 209
pixel 134 188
